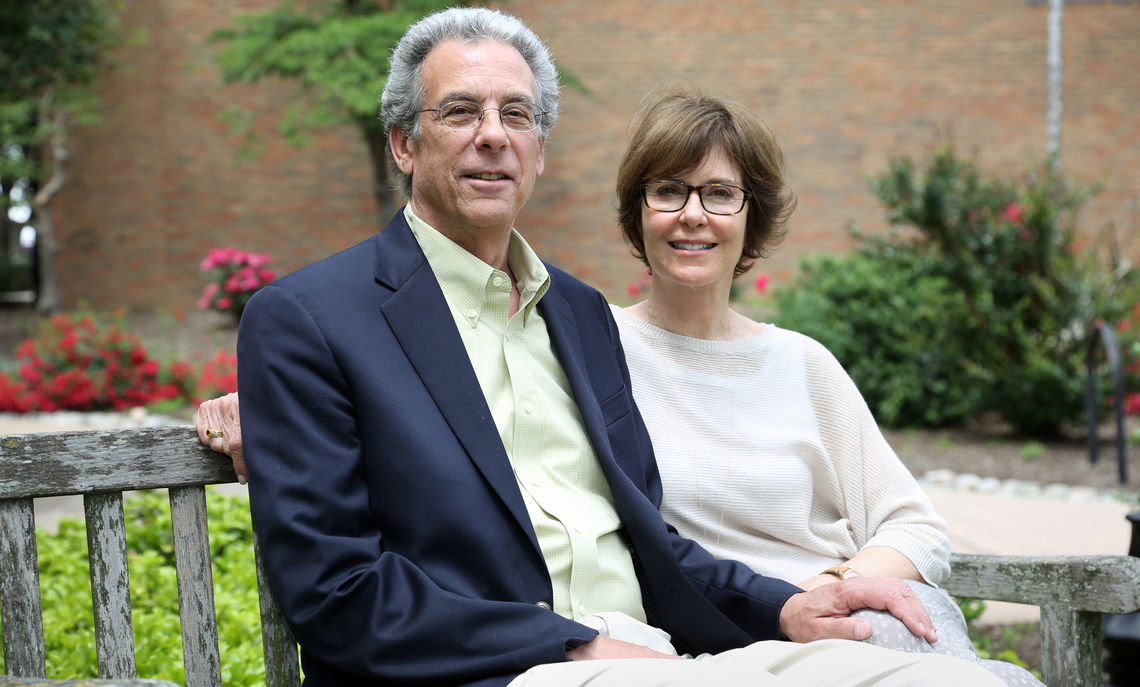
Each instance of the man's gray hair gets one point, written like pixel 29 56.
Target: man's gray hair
pixel 404 92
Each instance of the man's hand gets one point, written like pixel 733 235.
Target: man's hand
pixel 605 647
pixel 823 612
pixel 219 427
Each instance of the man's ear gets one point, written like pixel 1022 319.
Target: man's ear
pixel 403 149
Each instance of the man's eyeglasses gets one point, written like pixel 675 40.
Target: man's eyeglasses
pixel 671 196
pixel 464 115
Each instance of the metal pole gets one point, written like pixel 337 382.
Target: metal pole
pixel 1053 120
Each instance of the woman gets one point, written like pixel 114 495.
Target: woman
pixel 767 452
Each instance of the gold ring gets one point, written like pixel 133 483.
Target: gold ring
pixel 214 434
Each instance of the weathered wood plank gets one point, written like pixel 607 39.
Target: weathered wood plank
pixel 60 463
pixel 1104 584
pixel 280 648
pixel 20 605
pixel 195 587
pixel 1070 646
pixel 110 584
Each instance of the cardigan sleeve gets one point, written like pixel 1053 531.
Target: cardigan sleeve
pixel 884 504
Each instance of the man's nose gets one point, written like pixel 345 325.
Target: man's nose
pixel 490 130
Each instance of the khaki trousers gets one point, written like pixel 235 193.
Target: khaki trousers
pixel 830 663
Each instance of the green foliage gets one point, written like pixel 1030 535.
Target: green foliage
pixel 337 51
pixel 981 299
pixel 1032 450
pixel 885 321
pixel 66 592
pixel 50 53
pixel 986 646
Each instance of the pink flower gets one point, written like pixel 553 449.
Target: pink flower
pixel 1024 234
pixel 208 294
pixel 233 284
pixel 762 282
pixel 1012 213
pixel 224 303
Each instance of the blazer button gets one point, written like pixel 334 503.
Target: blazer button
pixel 544 606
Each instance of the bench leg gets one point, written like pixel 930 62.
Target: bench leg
pixel 1070 646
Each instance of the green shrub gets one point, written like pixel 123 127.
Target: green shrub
pixel 66 593
pixel 891 326
pixel 982 283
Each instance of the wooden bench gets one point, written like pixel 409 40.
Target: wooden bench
pixel 100 466
pixel 1072 591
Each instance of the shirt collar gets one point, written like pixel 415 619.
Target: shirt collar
pixel 467 281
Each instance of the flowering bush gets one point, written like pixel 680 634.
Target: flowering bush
pixel 234 275
pixel 76 364
pixel 1016 291
pixel 219 377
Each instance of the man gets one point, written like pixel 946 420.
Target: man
pixel 451 483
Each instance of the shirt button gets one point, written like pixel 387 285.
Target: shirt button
pixel 528 408
pixel 497 281
pixel 582 609
pixel 544 606
pixel 472 312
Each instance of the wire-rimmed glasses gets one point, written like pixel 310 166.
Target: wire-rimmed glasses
pixel 464 115
pixel 671 196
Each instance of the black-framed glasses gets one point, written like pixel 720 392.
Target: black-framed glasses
pixel 464 115
pixel 671 196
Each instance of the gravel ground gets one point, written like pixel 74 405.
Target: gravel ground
pixel 990 452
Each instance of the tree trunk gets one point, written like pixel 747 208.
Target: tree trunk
pixel 47 246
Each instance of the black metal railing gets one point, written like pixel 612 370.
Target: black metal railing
pixel 1107 338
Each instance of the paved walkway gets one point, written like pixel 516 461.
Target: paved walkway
pixel 982 516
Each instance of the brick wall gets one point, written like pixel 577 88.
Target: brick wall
pixel 843 86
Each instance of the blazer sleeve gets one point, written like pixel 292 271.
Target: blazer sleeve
pixel 351 603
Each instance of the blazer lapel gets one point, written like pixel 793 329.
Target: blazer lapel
pixel 420 319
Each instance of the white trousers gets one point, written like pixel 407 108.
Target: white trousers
pixel 829 662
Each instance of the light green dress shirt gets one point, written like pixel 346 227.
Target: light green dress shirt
pixel 566 494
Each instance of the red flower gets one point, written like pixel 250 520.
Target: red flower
pixel 762 282
pixel 1132 404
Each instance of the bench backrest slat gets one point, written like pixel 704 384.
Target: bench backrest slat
pixel 195 587
pixel 281 659
pixel 101 465
pixel 110 584
pixel 20 589
pixel 82 462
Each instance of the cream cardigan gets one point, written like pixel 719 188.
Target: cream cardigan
pixel 769 455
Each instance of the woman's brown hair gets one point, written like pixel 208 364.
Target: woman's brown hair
pixel 673 132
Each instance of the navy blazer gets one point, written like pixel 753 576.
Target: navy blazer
pixel 394 532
